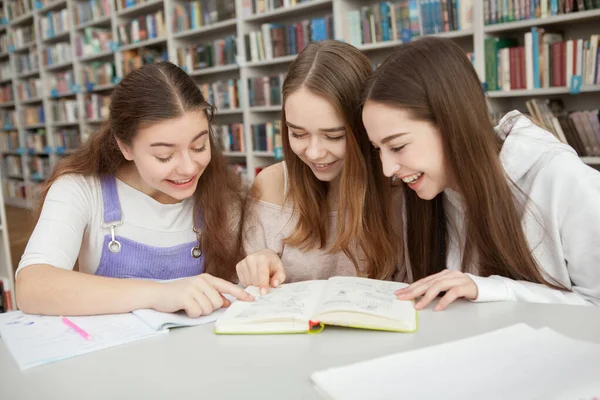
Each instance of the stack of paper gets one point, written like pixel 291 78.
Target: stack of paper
pixel 36 340
pixel 517 362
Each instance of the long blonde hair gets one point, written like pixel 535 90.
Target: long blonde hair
pixel 336 71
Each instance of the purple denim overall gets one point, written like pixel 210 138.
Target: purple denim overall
pixel 125 258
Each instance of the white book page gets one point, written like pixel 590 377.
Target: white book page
pixel 160 320
pixel 367 296
pixel 35 340
pixel 517 363
pixel 293 301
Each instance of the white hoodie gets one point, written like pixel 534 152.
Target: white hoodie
pixel 562 222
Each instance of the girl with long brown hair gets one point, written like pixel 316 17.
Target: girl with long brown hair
pixel 148 197
pixel 505 213
pixel 323 211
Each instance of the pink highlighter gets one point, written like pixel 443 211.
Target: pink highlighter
pixel 76 328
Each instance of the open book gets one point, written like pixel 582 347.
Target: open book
pixel 307 306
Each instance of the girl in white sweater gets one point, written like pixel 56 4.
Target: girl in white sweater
pixel 490 214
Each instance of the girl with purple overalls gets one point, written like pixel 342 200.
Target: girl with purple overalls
pixel 149 197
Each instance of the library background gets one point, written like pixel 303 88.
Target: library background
pixel 59 61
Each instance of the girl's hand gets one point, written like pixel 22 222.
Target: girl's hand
pixel 262 269
pixel 197 295
pixel 455 283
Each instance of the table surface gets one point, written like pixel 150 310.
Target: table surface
pixel 194 362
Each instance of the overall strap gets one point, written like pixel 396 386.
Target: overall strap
pixel 110 199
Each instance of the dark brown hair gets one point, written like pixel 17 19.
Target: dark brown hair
pixel 336 71
pixel 148 95
pixel 433 80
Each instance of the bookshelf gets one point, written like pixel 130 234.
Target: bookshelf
pixel 89 56
pixel 547 65
pixel 7 105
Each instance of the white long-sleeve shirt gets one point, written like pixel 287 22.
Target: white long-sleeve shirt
pixel 561 224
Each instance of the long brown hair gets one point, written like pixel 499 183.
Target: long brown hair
pixel 433 80
pixel 336 71
pixel 151 94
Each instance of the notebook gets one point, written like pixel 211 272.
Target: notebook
pixel 517 362
pixel 308 306
pixel 36 340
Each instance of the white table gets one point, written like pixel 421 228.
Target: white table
pixel 195 363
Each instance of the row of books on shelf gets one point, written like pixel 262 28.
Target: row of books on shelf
pixel 97 106
pixel 200 13
pixel 6 93
pixel 12 166
pixel 32 115
pixel 500 11
pixel 267 136
pixel 6 304
pixel 5 71
pixel 98 73
pixel 253 7
pixel 134 59
pixel 57 53
pixel 8 118
pixel 29 89
pixel 27 62
pixel 94 41
pixel 150 26
pixel 61 82
pixel 265 90
pixel 90 10
pixel 219 52
pixel 64 110
pixel 64 139
pixel 55 23
pixel 579 129
pixel 4 43
pixel 37 143
pixel 546 60
pixel 67 138
pixel 16 189
pixel 231 136
pixel 37 167
pixel 21 36
pixel 14 9
pixel 383 21
pixel 223 95
pixel 439 16
pixel 406 19
pixel 9 141
pixel 124 4
pixel 277 40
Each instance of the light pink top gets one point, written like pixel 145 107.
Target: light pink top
pixel 269 224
